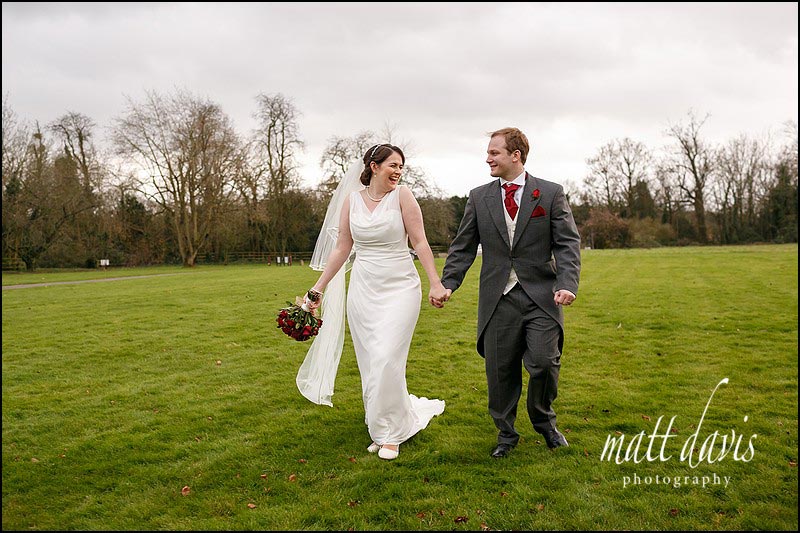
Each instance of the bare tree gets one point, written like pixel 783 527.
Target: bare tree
pixel 618 174
pixel 190 150
pixel 252 185
pixel 693 164
pixel 75 131
pixel 40 201
pixel 277 142
pixel 339 154
pixel 632 163
pixel 16 136
pixel 603 183
pixel 740 186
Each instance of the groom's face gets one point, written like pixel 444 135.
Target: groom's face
pixel 501 163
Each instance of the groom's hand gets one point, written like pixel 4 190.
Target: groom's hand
pixel 438 296
pixel 564 297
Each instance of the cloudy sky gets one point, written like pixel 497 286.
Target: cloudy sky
pixel 571 76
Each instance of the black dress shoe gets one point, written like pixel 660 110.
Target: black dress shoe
pixel 555 439
pixel 502 450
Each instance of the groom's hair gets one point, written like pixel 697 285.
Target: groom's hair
pixel 515 140
pixel 378 153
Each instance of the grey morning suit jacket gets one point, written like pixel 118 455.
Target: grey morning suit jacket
pixel 545 253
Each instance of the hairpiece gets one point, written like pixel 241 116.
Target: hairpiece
pixel 374 149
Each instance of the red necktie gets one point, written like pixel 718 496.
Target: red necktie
pixel 511 205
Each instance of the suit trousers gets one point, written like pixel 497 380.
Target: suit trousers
pixel 520 333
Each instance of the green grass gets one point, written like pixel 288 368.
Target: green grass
pixel 80 274
pixel 113 401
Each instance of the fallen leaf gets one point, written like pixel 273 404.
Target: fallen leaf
pixel 792 463
pixel 292 477
pixel 585 419
pixel 352 459
pixel 503 494
pixel 185 490
pixel 540 507
pixel 353 503
pixel 673 512
pixel 210 418
pixel 674 430
pixel 484 526
pixel 441 512
pixel 420 515
pixel 567 430
pixel 251 505
pixel 302 461
pixel 478 512
pixel 460 519
pixel 618 432
pixel 586 452
pixel 34 460
pixel 219 362
pixel 780 423
pixel 263 476
pixel 197 439
pixel 645 417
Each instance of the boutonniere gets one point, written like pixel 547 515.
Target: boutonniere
pixel 535 194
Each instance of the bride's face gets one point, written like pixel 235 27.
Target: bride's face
pixel 386 176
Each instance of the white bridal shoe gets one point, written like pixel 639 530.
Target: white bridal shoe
pixel 372 448
pixel 386 453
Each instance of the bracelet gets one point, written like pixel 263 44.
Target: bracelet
pixel 313 295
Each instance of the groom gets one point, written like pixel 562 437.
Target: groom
pixel 531 266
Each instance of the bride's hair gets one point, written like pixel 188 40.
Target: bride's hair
pixel 378 153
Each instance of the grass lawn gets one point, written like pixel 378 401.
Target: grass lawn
pixel 118 395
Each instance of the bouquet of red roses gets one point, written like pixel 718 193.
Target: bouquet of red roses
pixel 298 322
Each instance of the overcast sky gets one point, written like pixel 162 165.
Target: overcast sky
pixel 571 76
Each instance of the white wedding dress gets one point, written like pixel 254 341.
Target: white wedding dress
pixel 383 304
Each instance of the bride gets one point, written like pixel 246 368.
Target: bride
pixel 373 216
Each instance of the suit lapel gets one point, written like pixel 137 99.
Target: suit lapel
pixel 527 205
pixel 494 202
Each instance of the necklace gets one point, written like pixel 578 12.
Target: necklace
pixel 374 199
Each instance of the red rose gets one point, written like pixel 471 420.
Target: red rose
pixel 535 194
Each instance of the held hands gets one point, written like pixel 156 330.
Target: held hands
pixel 438 295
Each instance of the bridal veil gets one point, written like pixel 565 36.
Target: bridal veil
pixel 317 374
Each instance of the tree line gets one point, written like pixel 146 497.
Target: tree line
pixel 178 184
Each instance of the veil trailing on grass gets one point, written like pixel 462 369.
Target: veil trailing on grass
pixel 317 374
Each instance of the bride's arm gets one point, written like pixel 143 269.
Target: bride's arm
pixel 412 219
pixel 340 253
